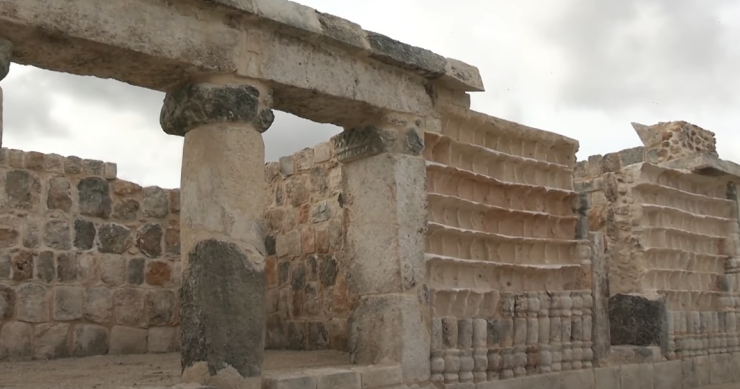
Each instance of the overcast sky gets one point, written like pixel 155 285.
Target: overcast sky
pixel 581 68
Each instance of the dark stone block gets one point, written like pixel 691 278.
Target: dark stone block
pixel 8 237
pixel 329 270
pixel 136 271
pixel 22 189
pixel 156 202
pixel 114 238
pixel 45 268
pixel 636 321
pixel 494 332
pixel 192 105
pixel 270 245
pixel 31 235
pixel 222 309
pixel 358 143
pixel 22 266
pixel 632 156
pixel 283 272
pixel 149 239
pixel 67 267
pixel 60 194
pixel 126 210
pixel 275 333
pixel 298 279
pixel 611 163
pixel 7 302
pixel 94 197
pixel 295 335
pixel 172 240
pixel 318 337
pixel 84 234
pixel 89 340
pixel 414 142
pixel 407 57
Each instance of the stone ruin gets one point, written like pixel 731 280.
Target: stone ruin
pixel 436 245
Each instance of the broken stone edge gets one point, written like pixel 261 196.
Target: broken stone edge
pixel 308 23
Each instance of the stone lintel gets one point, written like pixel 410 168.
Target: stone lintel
pixel 6 55
pixel 706 165
pixel 191 105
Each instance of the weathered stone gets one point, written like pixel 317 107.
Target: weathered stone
pixel 68 303
pixel 34 160
pixel 88 271
pixel 110 171
pixel 5 266
pixel 174 199
pixel 22 189
pixel 379 376
pixel 721 370
pixel 84 234
pixel 67 267
pixel 73 165
pixel 113 270
pixel 45 267
pixel 160 305
pixel 298 278
pixel 666 375
pixel 635 320
pixel 211 289
pixel 22 265
pixel 295 335
pixel 16 341
pixel 328 378
pixel 638 376
pixel 60 194
pixel 113 238
pixel 192 105
pixel 288 244
pixel 136 271
pixel 7 302
pixel 318 183
pixel 31 235
pixel 6 53
pixel 407 57
pixel 274 333
pixel 57 234
pixel 321 212
pixel 94 197
pixel 51 341
pixel 297 191
pixel 328 271
pixel 608 377
pixel 290 381
pixel 162 340
pixel 149 239
pixel 318 337
pixel 98 305
pixel 155 202
pixel 287 166
pixel 126 340
pixel 89 340
pixel 126 210
pixel 158 273
pixel 32 303
pixel 270 245
pixel 172 240
pixel 125 188
pixel 129 305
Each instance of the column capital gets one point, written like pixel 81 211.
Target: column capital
pixel 6 55
pixel 386 133
pixel 195 104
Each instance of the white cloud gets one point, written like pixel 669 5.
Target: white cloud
pixel 581 68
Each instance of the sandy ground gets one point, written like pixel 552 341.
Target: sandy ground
pixel 113 372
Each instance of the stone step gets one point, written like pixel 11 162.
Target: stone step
pixel 359 377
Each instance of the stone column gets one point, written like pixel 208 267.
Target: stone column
pixel 6 55
pixel 222 239
pixel 384 181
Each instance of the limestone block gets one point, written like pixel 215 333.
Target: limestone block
pixel 33 305
pixel 379 376
pixel 45 267
pixel 51 341
pixel 127 340
pixel 67 266
pixel 112 270
pixel 695 372
pixel 149 239
pixel 637 376
pixel 331 378
pixel 721 369
pixel 290 381
pixel 57 234
pixel 609 377
pixel 98 305
pixel 129 306
pixel 667 375
pixel 88 340
pixel 577 379
pixel 406 339
pixel 7 302
pixel 156 202
pixel 93 197
pixel 16 341
pixel 163 340
pixel 60 194
pixel 84 234
pixel 67 303
pixel 114 238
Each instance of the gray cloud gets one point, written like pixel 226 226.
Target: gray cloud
pixel 661 55
pixel 27 106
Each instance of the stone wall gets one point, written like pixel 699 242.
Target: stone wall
pixel 308 300
pixel 89 264
pixel 509 282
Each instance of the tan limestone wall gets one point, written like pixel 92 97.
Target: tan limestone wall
pixel 308 300
pixel 89 264
pixel 509 282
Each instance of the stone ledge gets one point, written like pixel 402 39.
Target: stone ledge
pixel 304 21
pixel 705 165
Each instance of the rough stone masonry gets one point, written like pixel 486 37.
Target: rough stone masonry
pixel 474 252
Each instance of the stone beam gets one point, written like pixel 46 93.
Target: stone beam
pixel 319 66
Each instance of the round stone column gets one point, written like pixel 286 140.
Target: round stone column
pixel 222 239
pixel 6 55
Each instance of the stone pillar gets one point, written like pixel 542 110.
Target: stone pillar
pixel 384 181
pixel 6 55
pixel 222 240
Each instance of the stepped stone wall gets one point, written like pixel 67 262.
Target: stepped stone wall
pixel 89 263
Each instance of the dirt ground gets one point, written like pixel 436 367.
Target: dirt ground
pixel 132 371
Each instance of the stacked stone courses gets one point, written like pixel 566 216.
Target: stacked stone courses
pixel 89 263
